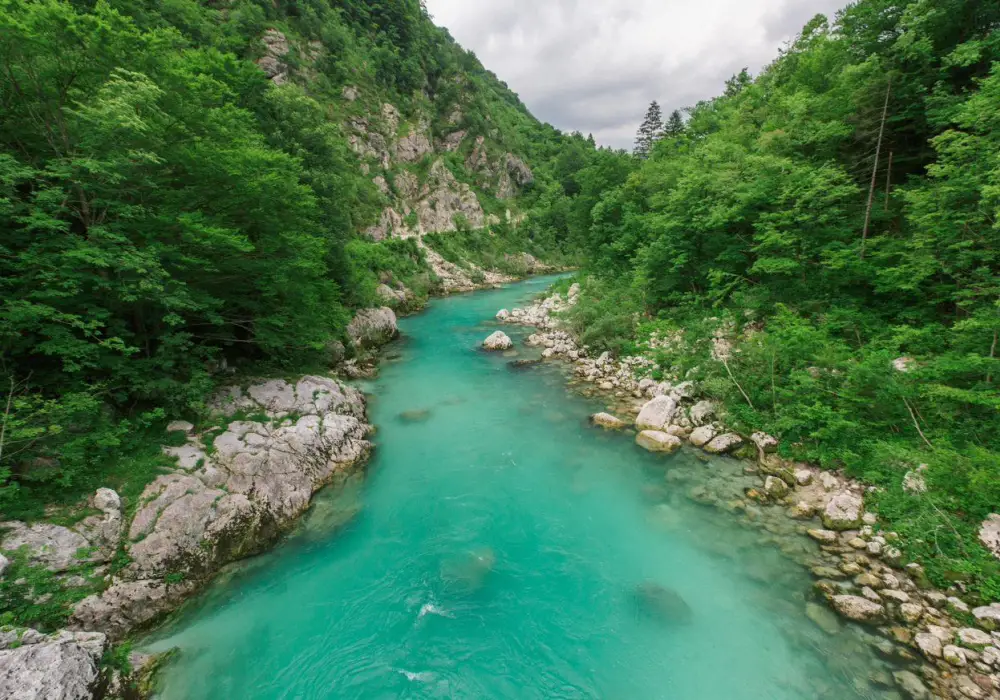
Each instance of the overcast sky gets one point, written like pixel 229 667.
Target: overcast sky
pixel 595 65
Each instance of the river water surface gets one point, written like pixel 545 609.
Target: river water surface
pixel 506 549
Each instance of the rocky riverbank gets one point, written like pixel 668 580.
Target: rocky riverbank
pixel 237 486
pixel 939 646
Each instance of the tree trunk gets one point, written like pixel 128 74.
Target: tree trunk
pixel 878 152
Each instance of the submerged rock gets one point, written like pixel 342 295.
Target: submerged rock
pixel 662 603
pixel 468 573
pixel 415 416
pixel 656 441
pixel 606 420
pixel 519 365
pixel 498 341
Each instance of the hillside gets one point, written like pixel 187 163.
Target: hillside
pixel 189 189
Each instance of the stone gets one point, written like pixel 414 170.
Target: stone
pixel 4 564
pixel 803 477
pixel 989 534
pixel 503 315
pixel 701 412
pixel 823 618
pixel 911 685
pixel 275 48
pixel 656 414
pixel 858 609
pixel 765 443
pixel 656 441
pixel 988 615
pixel 128 606
pixel 723 444
pixel 55 547
pixel 829 481
pixel 867 579
pixel 895 596
pixel 973 638
pixel 701 436
pixel 62 666
pixel 957 606
pixel 823 536
pixel 775 487
pixel 969 688
pixel 954 655
pixel 843 511
pixel 911 612
pixel 802 511
pixel 180 426
pixel 371 328
pixel 914 482
pixel 497 342
pixel 929 645
pixel 608 421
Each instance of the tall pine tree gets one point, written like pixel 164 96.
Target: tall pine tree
pixel 650 131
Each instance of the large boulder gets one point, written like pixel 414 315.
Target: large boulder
pixel 656 441
pixel 723 444
pixel 701 436
pixel 62 666
pixel 858 609
pixel 497 342
pixel 989 534
pixel 656 414
pixel 371 328
pixel 234 501
pixel 701 413
pixel 843 511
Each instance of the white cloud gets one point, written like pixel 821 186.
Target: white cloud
pixel 595 65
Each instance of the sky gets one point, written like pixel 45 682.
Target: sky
pixel 595 65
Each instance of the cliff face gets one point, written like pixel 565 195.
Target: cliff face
pixel 437 164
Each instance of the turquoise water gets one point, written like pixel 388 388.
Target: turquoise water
pixel 497 553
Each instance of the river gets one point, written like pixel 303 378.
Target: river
pixel 504 548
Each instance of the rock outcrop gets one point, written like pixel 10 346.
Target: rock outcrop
pixel 989 534
pixel 62 666
pixel 275 49
pixel 372 328
pixel 222 505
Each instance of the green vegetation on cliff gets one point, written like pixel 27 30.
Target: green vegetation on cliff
pixel 835 215
pixel 187 186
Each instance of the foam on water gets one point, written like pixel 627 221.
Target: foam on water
pixel 547 559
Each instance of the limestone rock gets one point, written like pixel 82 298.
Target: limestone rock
pixel 503 315
pixel 371 328
pixel 914 482
pixel 53 546
pixel 701 436
pixel 656 441
pixel 858 609
pixel 180 426
pixel 929 645
pixel 656 414
pixel 803 477
pixel 989 534
pixel 801 510
pixel 764 442
pixel 128 606
pixel 988 615
pixel 954 655
pixel 911 685
pixel 843 511
pixel 275 49
pixel 775 487
pixel 701 413
pixel 606 420
pixel 63 666
pixel 414 146
pixel 498 341
pixel 723 444
pixel 973 638
pixel 823 618
pixel 823 536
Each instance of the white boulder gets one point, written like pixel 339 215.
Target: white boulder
pixel 723 444
pixel 657 441
pixel 656 414
pixel 843 511
pixel 498 341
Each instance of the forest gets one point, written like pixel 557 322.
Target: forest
pixel 829 230
pixel 819 246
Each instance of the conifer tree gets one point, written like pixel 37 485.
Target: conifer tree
pixel 650 131
pixel 675 124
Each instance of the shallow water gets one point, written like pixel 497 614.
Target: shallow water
pixel 501 550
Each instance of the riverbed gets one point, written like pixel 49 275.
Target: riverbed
pixel 501 547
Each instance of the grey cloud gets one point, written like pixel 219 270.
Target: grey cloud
pixel 594 65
